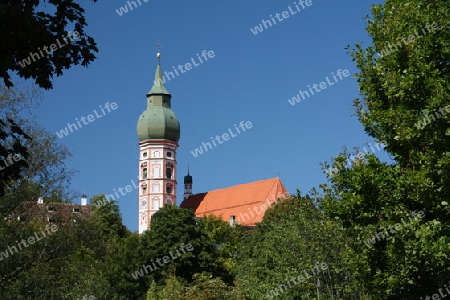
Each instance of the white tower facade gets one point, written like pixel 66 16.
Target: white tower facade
pixel 158 130
pixel 157 178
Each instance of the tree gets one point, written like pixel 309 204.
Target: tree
pixel 121 259
pixel 40 172
pixel 205 287
pixel 61 264
pixel 404 81
pixel 13 153
pixel 296 252
pixel 176 230
pixel 39 45
pixel 106 215
pixel 227 240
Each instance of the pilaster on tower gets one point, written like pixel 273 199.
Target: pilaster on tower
pixel 158 130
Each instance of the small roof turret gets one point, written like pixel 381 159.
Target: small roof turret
pixel 188 178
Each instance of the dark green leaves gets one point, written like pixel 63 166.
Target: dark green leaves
pixel 38 44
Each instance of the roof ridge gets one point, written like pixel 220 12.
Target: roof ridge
pixel 237 185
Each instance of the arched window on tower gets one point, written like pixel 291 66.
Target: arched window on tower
pixel 144 173
pixel 169 173
pixel 169 188
pixel 155 203
pixel 155 188
pixel 156 172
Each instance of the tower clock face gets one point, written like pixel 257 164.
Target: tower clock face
pixel 143 201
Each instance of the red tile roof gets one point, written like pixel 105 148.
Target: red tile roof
pixel 247 202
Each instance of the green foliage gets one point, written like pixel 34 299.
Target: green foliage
pixel 227 240
pixel 292 238
pixel 44 171
pixel 174 288
pixel 369 198
pixel 106 216
pixel 27 27
pixel 400 90
pixel 59 266
pixel 171 227
pixel 87 257
pixel 122 258
pixel 204 287
pixel 12 140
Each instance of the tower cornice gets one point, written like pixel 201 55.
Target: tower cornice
pixel 158 142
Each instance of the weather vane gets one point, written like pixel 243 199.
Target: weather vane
pixel 158 49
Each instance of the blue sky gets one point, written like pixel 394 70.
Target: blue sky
pixel 250 78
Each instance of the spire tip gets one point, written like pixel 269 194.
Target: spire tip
pixel 158 51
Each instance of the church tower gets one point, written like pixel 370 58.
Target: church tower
pixel 158 131
pixel 187 186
